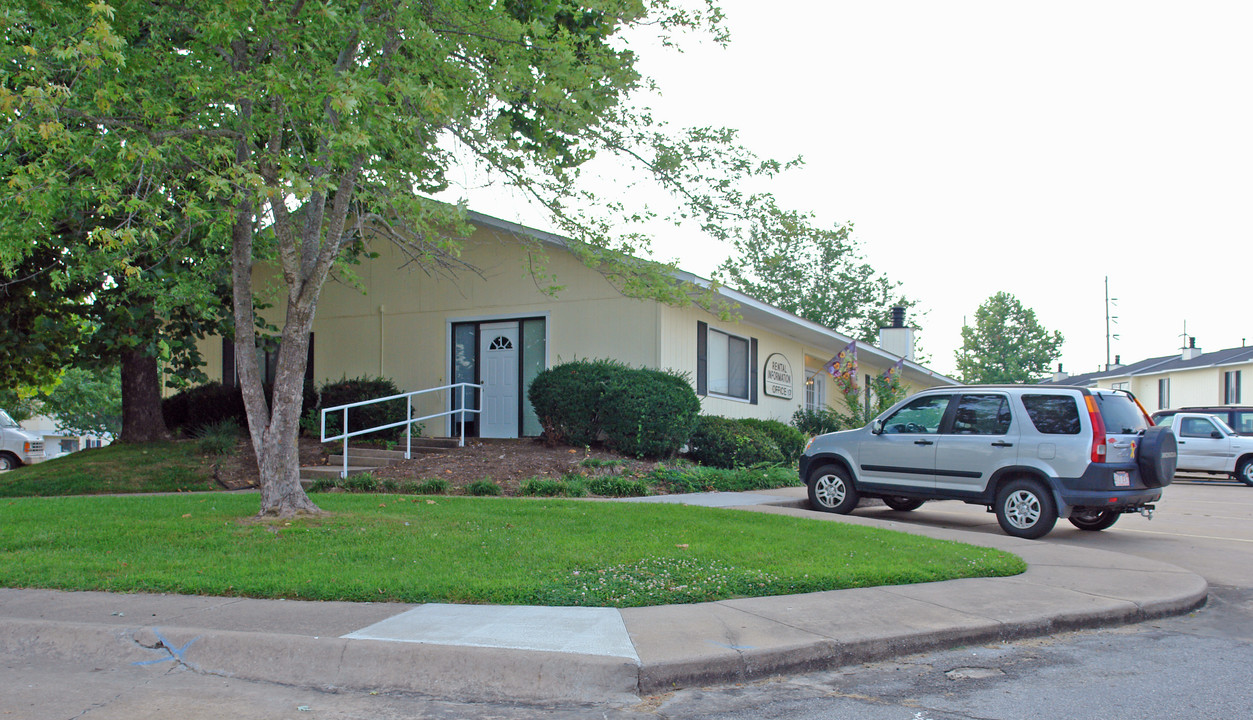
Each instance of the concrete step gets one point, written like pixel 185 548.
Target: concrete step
pixel 358 457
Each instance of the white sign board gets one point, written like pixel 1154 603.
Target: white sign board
pixel 778 377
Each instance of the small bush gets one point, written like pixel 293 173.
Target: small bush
pixel 648 413
pixel 348 391
pixel 219 438
pixel 710 479
pixel 201 406
pixel 728 443
pixel 617 487
pixel 434 486
pixel 323 485
pixel 365 482
pixel 483 488
pixel 791 441
pixel 568 399
pixel 597 463
pixel 542 487
pixel 817 422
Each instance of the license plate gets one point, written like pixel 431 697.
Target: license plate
pixel 1122 478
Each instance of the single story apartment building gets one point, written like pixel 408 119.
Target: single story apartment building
pixel 496 325
pixel 1184 379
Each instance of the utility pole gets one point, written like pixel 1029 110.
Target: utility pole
pixel 1108 318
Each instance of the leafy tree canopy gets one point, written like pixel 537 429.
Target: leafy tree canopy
pixel 183 130
pixel 1006 344
pixel 814 273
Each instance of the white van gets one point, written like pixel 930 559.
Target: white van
pixel 17 446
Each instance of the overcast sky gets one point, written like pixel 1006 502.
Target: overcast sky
pixel 1035 148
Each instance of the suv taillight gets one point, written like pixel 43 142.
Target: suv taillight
pixel 1098 430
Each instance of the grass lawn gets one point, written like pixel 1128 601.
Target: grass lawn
pixel 455 549
pixel 160 467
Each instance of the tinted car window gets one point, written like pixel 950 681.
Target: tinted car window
pixel 1196 427
pixel 1053 414
pixel 1120 414
pixel 1242 422
pixel 982 415
pixel 923 415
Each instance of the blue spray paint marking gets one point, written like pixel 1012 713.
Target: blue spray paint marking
pixel 175 654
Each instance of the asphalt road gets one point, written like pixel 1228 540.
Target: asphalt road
pixel 1195 666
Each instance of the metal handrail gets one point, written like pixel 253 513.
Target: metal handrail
pixel 408 422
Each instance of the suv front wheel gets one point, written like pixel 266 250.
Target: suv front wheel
pixel 831 490
pixel 1025 509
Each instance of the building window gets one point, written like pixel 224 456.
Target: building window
pixel 1121 386
pixel 1163 393
pixel 815 390
pixel 726 364
pixel 1231 387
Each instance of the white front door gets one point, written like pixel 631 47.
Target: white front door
pixel 498 358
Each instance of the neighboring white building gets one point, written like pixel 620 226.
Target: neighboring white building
pixel 60 443
pixel 1187 379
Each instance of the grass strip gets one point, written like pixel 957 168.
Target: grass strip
pixel 461 550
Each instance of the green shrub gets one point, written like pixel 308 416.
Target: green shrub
pixel 728 443
pixel 711 479
pixel 648 413
pixel 568 399
pixel 434 486
pixel 791 441
pixel 613 486
pixel 219 438
pixel 542 487
pixel 194 408
pixel 365 482
pixel 323 485
pixel 188 411
pixel 483 488
pixel 817 422
pixel 348 391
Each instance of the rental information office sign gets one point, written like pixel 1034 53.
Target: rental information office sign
pixel 778 377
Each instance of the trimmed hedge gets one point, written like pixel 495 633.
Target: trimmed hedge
pixel 791 441
pixel 730 443
pixel 568 399
pixel 639 412
pixel 649 413
pixel 351 390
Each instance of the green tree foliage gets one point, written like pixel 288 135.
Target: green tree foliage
pixel 1007 344
pixel 813 273
pixel 290 131
pixel 86 402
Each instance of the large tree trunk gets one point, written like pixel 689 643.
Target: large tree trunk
pixel 142 421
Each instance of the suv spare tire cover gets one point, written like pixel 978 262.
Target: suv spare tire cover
pixel 1157 456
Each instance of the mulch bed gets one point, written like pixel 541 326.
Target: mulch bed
pixel 505 462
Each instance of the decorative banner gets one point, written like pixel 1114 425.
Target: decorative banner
pixel 778 377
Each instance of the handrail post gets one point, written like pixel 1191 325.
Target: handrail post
pixel 463 416
pixel 408 425
pixel 344 473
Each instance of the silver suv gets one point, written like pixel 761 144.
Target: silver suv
pixel 1031 454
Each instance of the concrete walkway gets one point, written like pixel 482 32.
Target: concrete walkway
pixel 469 652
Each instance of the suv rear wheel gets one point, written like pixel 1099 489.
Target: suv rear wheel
pixel 1094 520
pixel 901 503
pixel 1025 509
pixel 831 490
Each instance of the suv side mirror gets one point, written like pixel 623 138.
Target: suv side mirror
pixel 876 427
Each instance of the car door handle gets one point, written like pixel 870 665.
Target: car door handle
pixel 923 442
pixel 1002 443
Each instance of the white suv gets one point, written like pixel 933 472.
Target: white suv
pixel 1031 454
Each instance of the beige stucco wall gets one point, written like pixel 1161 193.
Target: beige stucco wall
pixel 401 328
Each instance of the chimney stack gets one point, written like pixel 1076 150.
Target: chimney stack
pixel 1060 375
pixel 1191 350
pixel 897 338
